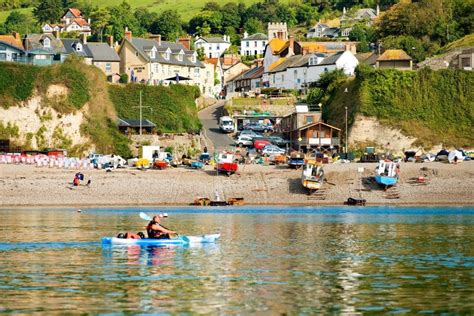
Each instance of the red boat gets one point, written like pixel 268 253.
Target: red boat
pixel 226 164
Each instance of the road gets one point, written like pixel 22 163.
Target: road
pixel 210 121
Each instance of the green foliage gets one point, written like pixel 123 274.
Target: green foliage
pixel 16 83
pixel 48 11
pixel 8 131
pixel 123 78
pixel 19 22
pixel 315 96
pixel 168 24
pixel 172 108
pixel 254 25
pixel 433 106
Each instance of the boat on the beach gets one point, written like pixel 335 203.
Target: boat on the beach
pixel 312 177
pixel 387 173
pixel 181 240
pixel 226 163
pixel 296 160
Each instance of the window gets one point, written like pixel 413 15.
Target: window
pixel 46 43
pixel 152 54
pixel 325 70
pixel 295 73
pixel 156 68
pixel 3 47
pixel 180 57
pixel 14 56
pixel 255 44
pixel 136 54
pixel 197 72
pixel 108 67
pixel 193 58
pixel 282 78
pixel 3 56
pixel 247 44
pixel 78 47
pixel 218 47
pixel 167 55
pixel 308 119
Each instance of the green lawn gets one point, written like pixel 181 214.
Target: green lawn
pixel 186 8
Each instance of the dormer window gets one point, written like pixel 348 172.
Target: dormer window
pixel 78 47
pixel 180 56
pixel 46 42
pixel 193 59
pixel 167 55
pixel 153 53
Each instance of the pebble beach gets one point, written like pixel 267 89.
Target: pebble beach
pixel 30 186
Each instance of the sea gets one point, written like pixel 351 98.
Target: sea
pixel 269 260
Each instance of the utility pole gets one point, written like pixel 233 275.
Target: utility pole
pixel 141 116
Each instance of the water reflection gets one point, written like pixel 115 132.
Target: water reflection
pixel 268 261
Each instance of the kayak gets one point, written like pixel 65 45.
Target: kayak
pixel 181 240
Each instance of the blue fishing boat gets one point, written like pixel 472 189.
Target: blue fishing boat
pixel 387 173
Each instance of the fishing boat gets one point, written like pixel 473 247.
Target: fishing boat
pixel 296 160
pixel 312 177
pixel 387 173
pixel 181 240
pixel 226 163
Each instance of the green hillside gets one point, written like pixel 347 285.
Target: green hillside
pixel 172 109
pixel 186 8
pixel 433 106
pixel 467 40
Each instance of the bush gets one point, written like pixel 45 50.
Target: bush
pixel 123 78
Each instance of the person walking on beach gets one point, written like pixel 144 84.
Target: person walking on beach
pixel 155 230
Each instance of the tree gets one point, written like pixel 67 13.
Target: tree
pixel 168 25
pixel 121 16
pixel 19 22
pixel 230 15
pixel 100 19
pixel 253 26
pixel 211 6
pixel 204 20
pixel 48 11
pixel 145 18
pixel 200 54
pixel 315 96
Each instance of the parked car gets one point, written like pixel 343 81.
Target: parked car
pixel 279 141
pixel 272 150
pixel 258 127
pixel 260 143
pixel 250 133
pixel 244 140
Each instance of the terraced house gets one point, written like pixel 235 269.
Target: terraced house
pixel 156 62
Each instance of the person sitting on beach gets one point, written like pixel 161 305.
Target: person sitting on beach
pixel 155 230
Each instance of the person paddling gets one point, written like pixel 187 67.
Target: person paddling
pixel 155 230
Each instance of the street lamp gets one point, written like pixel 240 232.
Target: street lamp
pixel 320 121
pixel 346 130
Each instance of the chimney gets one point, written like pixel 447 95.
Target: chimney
pixel 128 34
pixel 16 35
pixel 246 35
pixel 56 34
pixel 185 41
pixel 157 38
pixel 110 41
pixel 291 48
pixel 83 38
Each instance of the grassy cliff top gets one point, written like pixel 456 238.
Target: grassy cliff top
pixel 433 106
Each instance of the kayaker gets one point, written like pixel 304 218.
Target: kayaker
pixel 155 230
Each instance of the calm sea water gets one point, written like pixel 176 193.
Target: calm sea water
pixel 269 260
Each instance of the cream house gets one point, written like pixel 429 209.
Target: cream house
pixel 156 62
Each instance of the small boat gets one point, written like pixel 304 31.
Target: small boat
pixel 181 240
pixel 197 165
pixel 312 177
pixel 355 201
pixel 160 164
pixel 226 163
pixel 387 173
pixel 296 160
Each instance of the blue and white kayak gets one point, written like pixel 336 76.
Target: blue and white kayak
pixel 181 240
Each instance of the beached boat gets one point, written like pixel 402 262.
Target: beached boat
pixel 226 163
pixel 296 160
pixel 312 177
pixel 387 173
pixel 181 240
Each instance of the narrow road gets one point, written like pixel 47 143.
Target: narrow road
pixel 210 120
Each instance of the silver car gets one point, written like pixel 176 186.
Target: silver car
pixel 244 140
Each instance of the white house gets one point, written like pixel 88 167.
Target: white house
pixel 253 45
pixel 298 71
pixel 72 21
pixel 213 47
pixel 323 30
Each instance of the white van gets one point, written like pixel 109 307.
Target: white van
pixel 226 124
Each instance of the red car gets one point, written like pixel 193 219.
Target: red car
pixel 259 144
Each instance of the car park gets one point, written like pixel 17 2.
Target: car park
pixel 248 132
pixel 258 127
pixel 279 141
pixel 244 140
pixel 259 144
pixel 272 150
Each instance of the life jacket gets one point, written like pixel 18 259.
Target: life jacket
pixel 154 233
